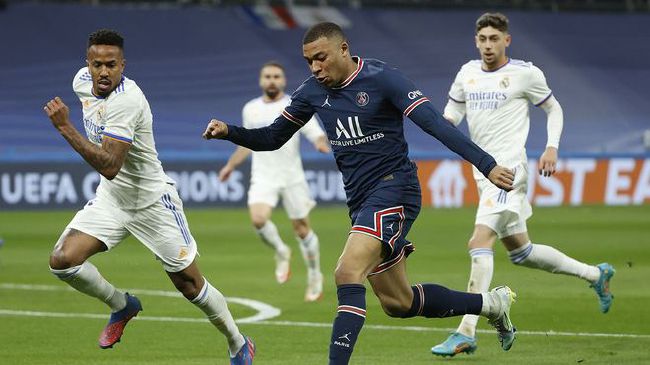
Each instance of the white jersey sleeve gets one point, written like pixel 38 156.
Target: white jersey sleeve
pixel 312 130
pixel 456 92
pixel 123 116
pixel 245 116
pixel 82 83
pixel 537 91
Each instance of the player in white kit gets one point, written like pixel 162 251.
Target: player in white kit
pixel 134 197
pixel 493 93
pixel 279 174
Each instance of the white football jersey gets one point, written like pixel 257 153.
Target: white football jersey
pixel 283 166
pixel 124 115
pixel 496 103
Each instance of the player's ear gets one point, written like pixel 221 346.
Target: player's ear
pixel 345 48
pixel 508 39
pixel 476 41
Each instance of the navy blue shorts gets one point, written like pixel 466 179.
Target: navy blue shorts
pixel 388 213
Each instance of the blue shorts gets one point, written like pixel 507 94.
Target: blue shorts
pixel 388 213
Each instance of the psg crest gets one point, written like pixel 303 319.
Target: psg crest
pixel 362 98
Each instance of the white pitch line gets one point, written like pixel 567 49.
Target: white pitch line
pixel 21 313
pixel 265 312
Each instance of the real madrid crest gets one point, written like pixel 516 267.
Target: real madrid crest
pixel 101 113
pixel 362 98
pixel 505 82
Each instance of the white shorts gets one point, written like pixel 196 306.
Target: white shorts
pixel 161 227
pixel 505 212
pixel 296 198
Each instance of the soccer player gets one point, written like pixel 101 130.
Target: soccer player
pixel 494 93
pixel 134 196
pixel 362 103
pixel 279 173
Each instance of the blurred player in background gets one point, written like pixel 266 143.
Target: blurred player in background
pixel 362 104
pixel 494 93
pixel 134 196
pixel 279 173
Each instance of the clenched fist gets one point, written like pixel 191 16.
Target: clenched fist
pixel 502 177
pixel 216 130
pixel 58 113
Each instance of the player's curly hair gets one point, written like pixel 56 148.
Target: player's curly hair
pixel 494 20
pixel 325 29
pixel 106 37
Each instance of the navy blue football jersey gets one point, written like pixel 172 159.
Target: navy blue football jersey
pixel 364 122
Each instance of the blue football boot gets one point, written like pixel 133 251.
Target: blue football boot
pixel 601 287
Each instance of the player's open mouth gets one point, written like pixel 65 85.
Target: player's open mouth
pixel 103 84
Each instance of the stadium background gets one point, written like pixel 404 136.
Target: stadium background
pixel 196 62
pixel 199 59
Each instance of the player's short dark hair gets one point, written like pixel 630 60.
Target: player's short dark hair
pixel 494 20
pixel 106 37
pixel 325 29
pixel 272 64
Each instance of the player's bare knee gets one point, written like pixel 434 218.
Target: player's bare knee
pixel 478 243
pixel 301 227
pixel 58 260
pixel 345 275
pixel 258 221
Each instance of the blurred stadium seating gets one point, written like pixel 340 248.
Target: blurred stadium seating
pixel 196 62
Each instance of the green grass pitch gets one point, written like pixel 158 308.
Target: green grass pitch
pixel 236 262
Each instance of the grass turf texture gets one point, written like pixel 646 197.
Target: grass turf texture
pixel 236 262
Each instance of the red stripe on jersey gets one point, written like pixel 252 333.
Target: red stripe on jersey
pixel 292 119
pixel 415 105
pixel 347 81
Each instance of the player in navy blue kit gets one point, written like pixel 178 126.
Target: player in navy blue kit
pixel 361 103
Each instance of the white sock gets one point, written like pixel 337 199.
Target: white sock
pixel 214 305
pixel 87 279
pixel 491 305
pixel 309 246
pixel 479 282
pixel 270 235
pixel 549 259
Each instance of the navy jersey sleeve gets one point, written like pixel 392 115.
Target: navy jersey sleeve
pixel 405 96
pixel 272 137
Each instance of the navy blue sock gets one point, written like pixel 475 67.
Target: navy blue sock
pixel 348 322
pixel 435 301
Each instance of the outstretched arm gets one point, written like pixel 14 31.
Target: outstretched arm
pixel 107 159
pixel 432 122
pixel 268 138
pixel 406 97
